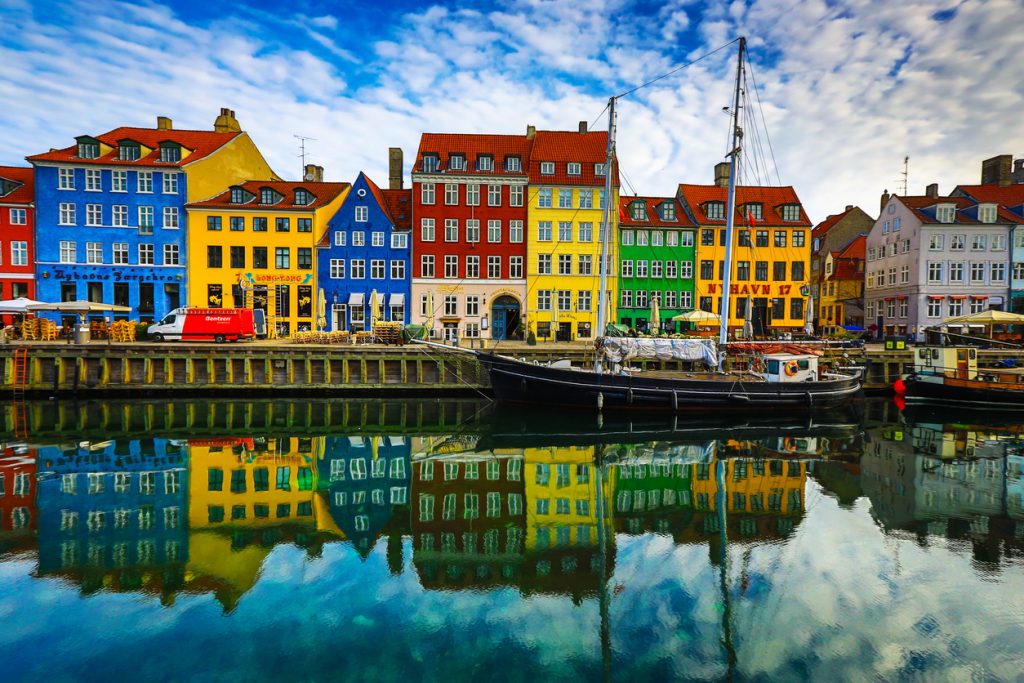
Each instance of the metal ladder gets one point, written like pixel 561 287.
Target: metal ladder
pixel 19 379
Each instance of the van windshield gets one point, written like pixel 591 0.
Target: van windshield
pixel 169 320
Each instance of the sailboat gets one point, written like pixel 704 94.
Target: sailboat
pixel 781 382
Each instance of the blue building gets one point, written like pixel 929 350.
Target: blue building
pixel 110 210
pixel 110 513
pixel 366 248
pixel 367 481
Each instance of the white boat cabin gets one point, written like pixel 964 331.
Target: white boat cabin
pixel 942 361
pixel 790 367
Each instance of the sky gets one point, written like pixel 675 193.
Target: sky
pixel 847 88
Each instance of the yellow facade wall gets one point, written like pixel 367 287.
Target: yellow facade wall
pixel 235 162
pixel 581 321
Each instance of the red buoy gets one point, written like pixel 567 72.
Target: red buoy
pixel 899 387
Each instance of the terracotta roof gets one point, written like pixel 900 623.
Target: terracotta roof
pixel 25 192
pixel 399 205
pixel 1008 195
pixel 564 147
pixel 472 147
pixel 856 249
pixel 653 217
pixel 200 142
pixel 923 208
pixel 323 193
pixel 771 198
pixel 847 269
pixel 829 223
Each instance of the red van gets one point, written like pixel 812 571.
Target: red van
pixel 207 324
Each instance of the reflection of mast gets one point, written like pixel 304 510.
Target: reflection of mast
pixel 606 636
pixel 723 569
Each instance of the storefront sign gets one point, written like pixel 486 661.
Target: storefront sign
pixel 754 290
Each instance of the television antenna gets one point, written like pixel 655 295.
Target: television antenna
pixel 906 174
pixel 303 153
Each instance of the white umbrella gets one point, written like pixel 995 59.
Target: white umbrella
pixel 19 305
pixel 698 316
pixel 748 323
pixel 321 310
pixel 809 318
pixel 82 308
pixel 655 315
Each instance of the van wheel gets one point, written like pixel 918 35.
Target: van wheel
pixel 219 339
pixel 158 337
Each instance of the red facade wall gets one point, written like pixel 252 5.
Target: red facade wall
pixel 21 198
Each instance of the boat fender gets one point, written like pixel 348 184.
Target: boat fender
pixel 522 386
pixel 675 401
pixel 810 398
pixel 600 400
pixel 792 368
pixel 629 396
pixel 742 398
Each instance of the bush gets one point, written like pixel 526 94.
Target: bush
pixel 531 339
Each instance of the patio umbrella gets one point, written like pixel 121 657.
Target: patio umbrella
pixel 809 318
pixel 748 323
pixel 375 312
pixel 82 308
pixel 428 322
pixel 699 317
pixel 321 310
pixel 19 305
pixel 655 315
pixel 989 317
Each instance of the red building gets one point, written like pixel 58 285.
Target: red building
pixel 17 230
pixel 469 242
pixel 17 493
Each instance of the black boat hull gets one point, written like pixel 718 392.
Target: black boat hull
pixel 940 394
pixel 516 381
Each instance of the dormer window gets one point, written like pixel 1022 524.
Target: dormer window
pixel 547 168
pixel 88 150
pixel 8 186
pixel 790 212
pixel 667 211
pixel 303 197
pixel 457 162
pixel 945 213
pixel 485 163
pixel 240 196
pixel 714 211
pixel 599 169
pixel 755 210
pixel 987 213
pixel 269 196
pixel 574 168
pixel 638 211
pixel 513 165
pixel 170 153
pixel 128 151
pixel 430 163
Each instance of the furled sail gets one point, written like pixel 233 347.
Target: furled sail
pixel 622 349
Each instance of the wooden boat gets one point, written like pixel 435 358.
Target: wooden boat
pixel 949 376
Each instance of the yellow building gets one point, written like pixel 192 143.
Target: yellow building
pixel 564 219
pixel 770 256
pixel 753 486
pixel 254 245
pixel 842 289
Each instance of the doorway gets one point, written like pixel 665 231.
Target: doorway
pixel 505 314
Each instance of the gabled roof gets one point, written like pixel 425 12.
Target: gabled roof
pixel 399 206
pixel 323 194
pixel 830 222
pixel 1009 196
pixel 847 269
pixel 200 143
pixel 772 198
pixel 564 146
pixel 24 193
pixel 473 146
pixel 856 249
pixel 654 219
pixel 923 207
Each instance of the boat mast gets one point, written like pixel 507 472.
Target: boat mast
pixel 606 229
pixel 730 210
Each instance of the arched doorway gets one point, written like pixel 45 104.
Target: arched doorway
pixel 505 318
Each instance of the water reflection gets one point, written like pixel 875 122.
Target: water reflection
pixel 681 534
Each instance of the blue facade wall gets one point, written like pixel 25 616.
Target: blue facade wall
pixel 163 278
pixel 339 290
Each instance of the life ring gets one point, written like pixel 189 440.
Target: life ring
pixel 791 368
pixel 789 444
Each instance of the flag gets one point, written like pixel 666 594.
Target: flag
pixel 750 218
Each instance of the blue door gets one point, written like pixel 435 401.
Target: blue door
pixel 505 318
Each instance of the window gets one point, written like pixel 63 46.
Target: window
pixel 979 242
pixel 358 238
pixel 473 230
pixel 904 274
pixel 377 239
pixel 797 270
pixel 399 240
pixel 565 198
pixel 796 309
pixel 642 238
pixel 945 213
pixel 599 169
pixel 798 238
pixel 305 258
pixel 120 250
pixel 543 299
pixel 427 265
pixel 68 252
pixel 779 271
pixel 742 271
pixel 472 309
pixel 515 267
pixel 934 307
pixel 641 268
pixel 743 238
pixel 427 193
pixel 93 214
pixel 714 210
pixel 485 163
pixel 892 276
pixel 936 242
pixel 585 264
pixel 259 223
pixel 451 307
pixel 376 269
pixel 626 298
pixel 956 307
pixel 583 301
pixel 170 154
pixel 780 238
pixel 544 198
pixel 214 256
pixel 903 308
pixel 337 268
pixel 146 254
pixel 494 267
pixel 574 168
pixel 934 272
pixel 213 223
pixel 67 214
pixel 515 197
pixel 473 267
pixel 544 264
pixel 473 194
pixel 144 180
pixel 997 273
pixel 427 230
pixel 626 268
pixel 998 243
pixel 66 179
pixel 707 270
pixel 93 252
pixel 896 223
pixel 564 300
pixel 19 253
pixel 761 271
pixel 237 256
pixel 171 255
pixel 92 180
pixel 451 194
pixel 282 224
pixel 515 231
pixel 170 185
pixel 451 266
pixel 565 264
pixel 790 212
pixel 357 268
pixel 451 229
pixel 544 231
pixel 171 217
pixel 978 272
pixel 586 199
pixel 586 232
pixel 547 168
pixel 397 269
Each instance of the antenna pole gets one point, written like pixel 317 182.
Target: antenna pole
pixel 906 174
pixel 302 151
pixel 730 210
pixel 606 230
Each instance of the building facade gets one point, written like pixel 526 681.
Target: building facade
pixel 564 241
pixel 469 217
pixel 656 259
pixel 254 245
pixel 929 258
pixel 17 233
pixel 841 290
pixel 110 210
pixel 367 249
pixel 832 235
pixel 770 255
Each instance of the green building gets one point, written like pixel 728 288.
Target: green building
pixel 654 493
pixel 656 256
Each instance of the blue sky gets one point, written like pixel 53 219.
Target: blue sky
pixel 849 87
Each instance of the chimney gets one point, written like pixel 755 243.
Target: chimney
pixel 163 123
pixel 722 174
pixel 1018 172
pixel 885 200
pixel 932 191
pixel 849 207
pixel 530 131
pixel 313 173
pixel 226 122
pixel 583 126
pixel 395 168
pixel 996 171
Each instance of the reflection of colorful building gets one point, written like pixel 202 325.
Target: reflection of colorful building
pixel 17 494
pixel 112 515
pixel 468 520
pixel 653 496
pixel 562 519
pixel 366 480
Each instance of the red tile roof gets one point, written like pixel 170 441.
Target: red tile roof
pixel 399 206
pixel 847 269
pixel 856 249
pixel 564 147
pixel 323 193
pixel 25 192
pixel 472 147
pixel 823 227
pixel 772 199
pixel 201 143
pixel 923 208
pixel 1008 195
pixel 653 217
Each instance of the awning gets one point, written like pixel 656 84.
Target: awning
pixel 852 328
pixel 356 299
pixel 978 296
pixel 889 298
pixel 396 300
pixel 958 297
pixel 936 298
pixel 901 298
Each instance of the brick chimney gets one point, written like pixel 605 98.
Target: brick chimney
pixel 530 131
pixel 722 174
pixel 996 171
pixel 885 200
pixel 313 173
pixel 1018 172
pixel 849 207
pixel 395 168
pixel 226 122
pixel 932 191
pixel 583 126
pixel 164 123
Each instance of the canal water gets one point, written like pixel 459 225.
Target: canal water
pixel 445 541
